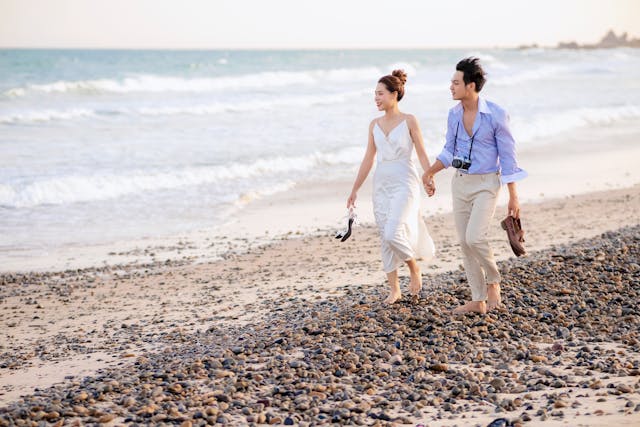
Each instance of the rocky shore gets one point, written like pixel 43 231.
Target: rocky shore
pixel 566 347
pixel 608 41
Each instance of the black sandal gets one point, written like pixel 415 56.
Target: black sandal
pixel 500 422
pixel 346 233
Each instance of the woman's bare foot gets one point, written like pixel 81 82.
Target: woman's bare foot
pixel 394 294
pixel 415 285
pixel 472 307
pixel 494 300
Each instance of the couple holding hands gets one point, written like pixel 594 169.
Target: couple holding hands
pixel 478 145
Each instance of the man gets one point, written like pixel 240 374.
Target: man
pixel 480 146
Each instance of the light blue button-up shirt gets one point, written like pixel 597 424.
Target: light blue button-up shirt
pixel 493 145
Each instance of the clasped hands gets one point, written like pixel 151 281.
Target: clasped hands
pixel 429 184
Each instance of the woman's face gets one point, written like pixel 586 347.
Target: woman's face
pixel 385 99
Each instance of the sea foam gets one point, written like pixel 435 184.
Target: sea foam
pixel 100 186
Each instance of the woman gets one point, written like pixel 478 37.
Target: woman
pixel 396 186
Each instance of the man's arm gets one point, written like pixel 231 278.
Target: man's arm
pixel 510 172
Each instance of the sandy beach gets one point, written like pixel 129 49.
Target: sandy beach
pixel 294 332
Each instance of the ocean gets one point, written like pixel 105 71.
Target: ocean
pixel 99 146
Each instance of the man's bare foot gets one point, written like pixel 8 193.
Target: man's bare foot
pixel 394 295
pixel 472 307
pixel 415 286
pixel 494 300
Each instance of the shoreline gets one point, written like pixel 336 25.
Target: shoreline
pixel 561 167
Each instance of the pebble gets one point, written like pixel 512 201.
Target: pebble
pixel 351 360
pixel 497 383
pixel 624 388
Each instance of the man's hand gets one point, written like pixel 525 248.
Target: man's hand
pixel 514 207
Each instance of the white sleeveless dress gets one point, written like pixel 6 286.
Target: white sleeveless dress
pixel 396 200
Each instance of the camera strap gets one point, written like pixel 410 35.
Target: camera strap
pixel 455 141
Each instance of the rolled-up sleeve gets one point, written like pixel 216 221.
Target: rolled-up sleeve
pixel 510 172
pixel 446 155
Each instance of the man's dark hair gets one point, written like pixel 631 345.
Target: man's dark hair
pixel 472 72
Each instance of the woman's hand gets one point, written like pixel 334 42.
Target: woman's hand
pixel 431 187
pixel 351 201
pixel 429 184
pixel 426 178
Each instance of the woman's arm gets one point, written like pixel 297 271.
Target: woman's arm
pixel 418 142
pixel 365 168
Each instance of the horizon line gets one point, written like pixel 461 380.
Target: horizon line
pixel 276 48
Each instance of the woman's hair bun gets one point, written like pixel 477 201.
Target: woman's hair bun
pixel 400 74
pixel 394 82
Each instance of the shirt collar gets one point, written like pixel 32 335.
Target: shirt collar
pixel 483 107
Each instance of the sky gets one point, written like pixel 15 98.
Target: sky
pixel 295 24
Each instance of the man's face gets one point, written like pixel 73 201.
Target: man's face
pixel 458 89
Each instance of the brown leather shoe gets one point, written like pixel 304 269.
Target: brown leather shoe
pixel 515 233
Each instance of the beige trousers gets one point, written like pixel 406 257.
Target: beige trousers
pixel 474 203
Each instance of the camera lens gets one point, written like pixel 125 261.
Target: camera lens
pixel 456 163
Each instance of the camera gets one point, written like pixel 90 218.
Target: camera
pixel 460 163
